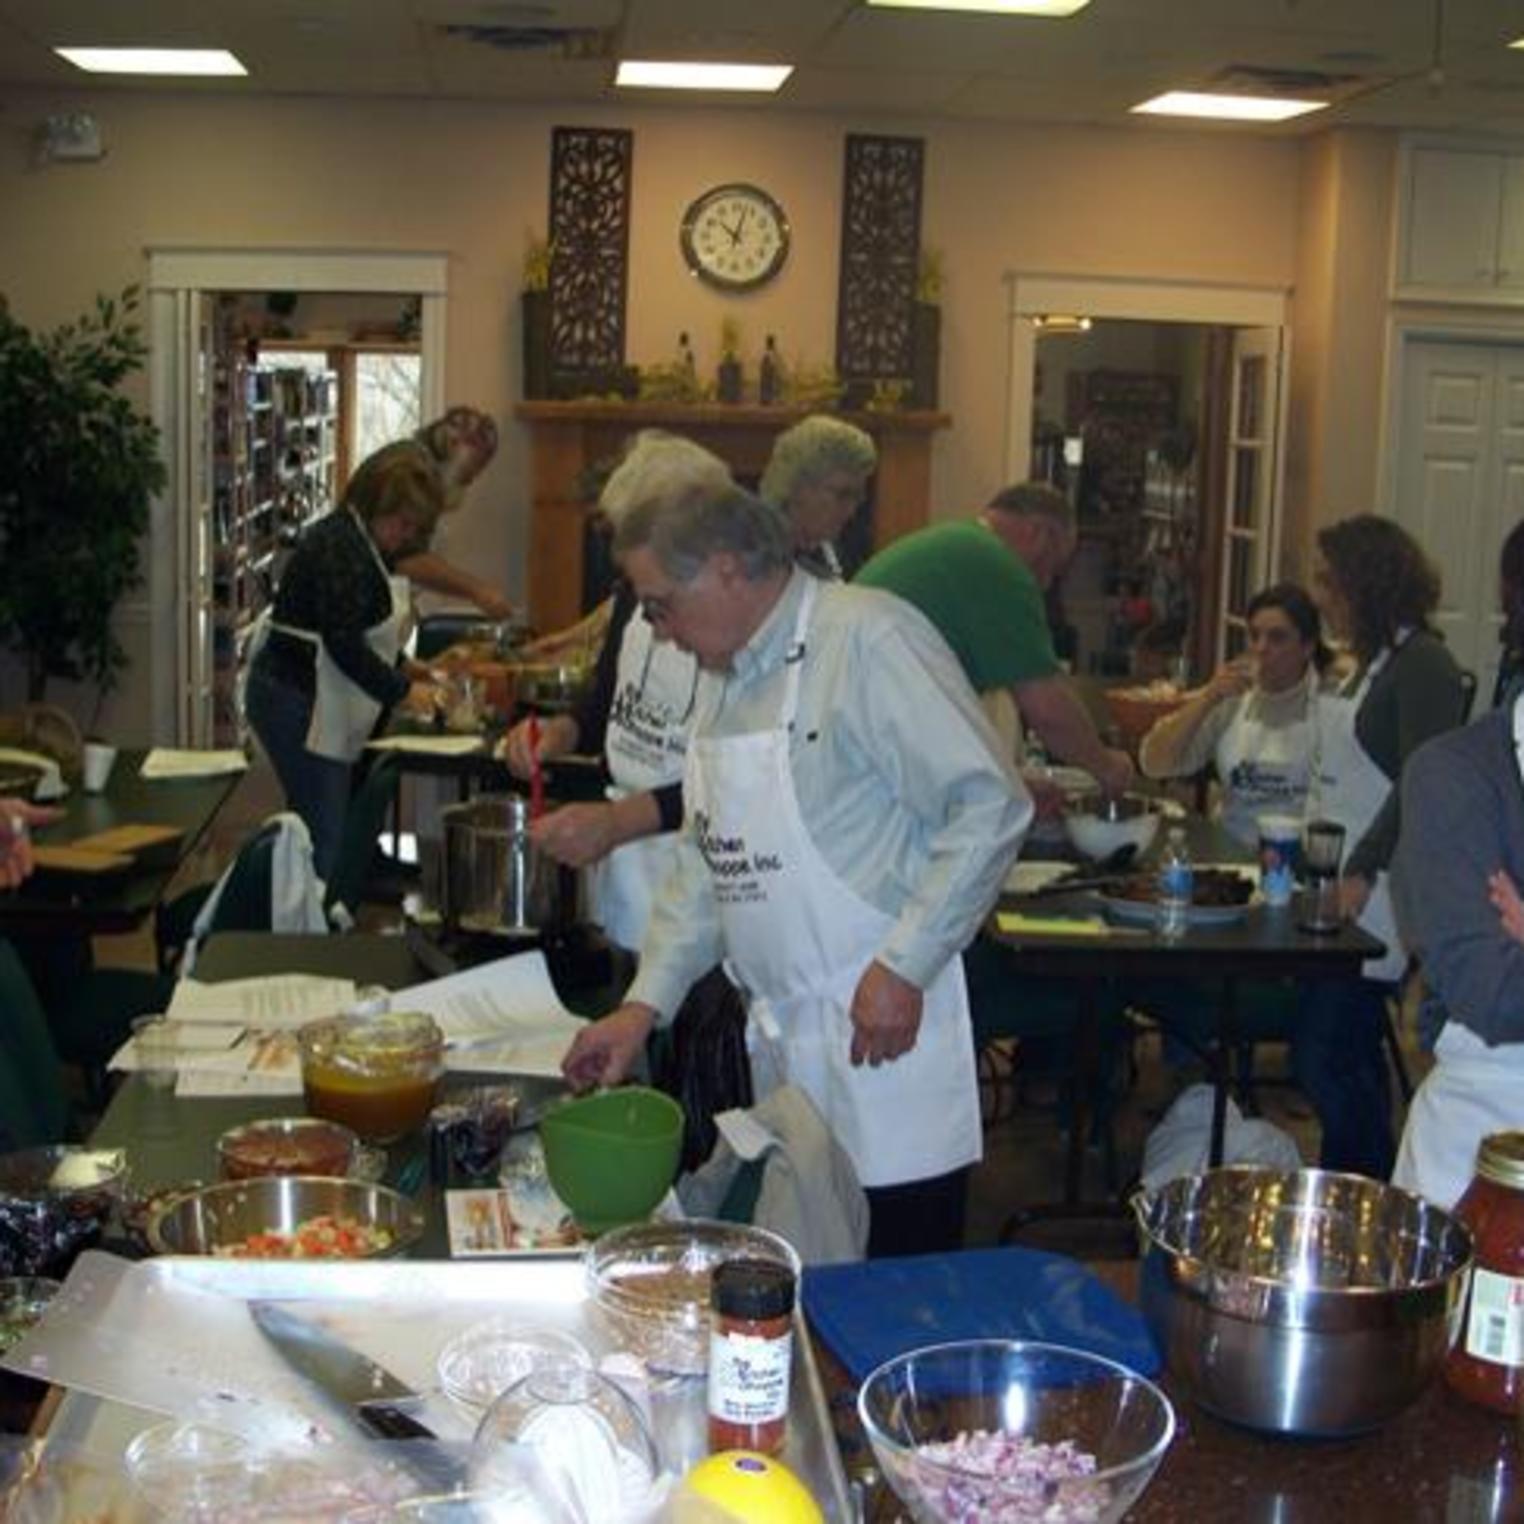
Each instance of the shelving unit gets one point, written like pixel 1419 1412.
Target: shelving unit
pixel 274 470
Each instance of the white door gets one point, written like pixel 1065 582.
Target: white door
pixel 193 517
pixel 1460 481
pixel 1251 511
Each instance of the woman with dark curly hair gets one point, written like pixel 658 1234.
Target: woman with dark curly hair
pixel 1377 590
pixel 1510 680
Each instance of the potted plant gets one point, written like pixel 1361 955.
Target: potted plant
pixel 78 466
pixel 926 330
pixel 534 309
pixel 728 378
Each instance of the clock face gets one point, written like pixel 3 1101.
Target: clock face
pixel 735 237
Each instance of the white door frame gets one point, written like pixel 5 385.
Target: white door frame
pixel 1404 329
pixel 175 274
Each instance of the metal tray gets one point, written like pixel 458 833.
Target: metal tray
pixel 173 1336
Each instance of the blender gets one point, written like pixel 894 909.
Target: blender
pixel 1322 854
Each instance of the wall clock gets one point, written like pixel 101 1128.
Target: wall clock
pixel 735 237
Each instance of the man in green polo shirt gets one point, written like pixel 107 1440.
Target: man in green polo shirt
pixel 980 582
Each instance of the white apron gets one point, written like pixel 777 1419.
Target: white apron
pixel 1472 1090
pixel 646 742
pixel 1265 769
pixel 1347 786
pixel 798 939
pixel 343 713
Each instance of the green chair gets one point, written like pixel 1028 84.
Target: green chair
pixel 35 1105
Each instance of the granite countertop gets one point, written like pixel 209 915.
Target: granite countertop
pixel 1441 1462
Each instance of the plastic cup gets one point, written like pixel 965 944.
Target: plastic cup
pixel 154 1047
pixel 99 760
pixel 1280 851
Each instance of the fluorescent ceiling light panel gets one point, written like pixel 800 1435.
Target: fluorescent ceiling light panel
pixel 1227 108
pixel 989 7
pixel 650 74
pixel 1518 42
pixel 152 60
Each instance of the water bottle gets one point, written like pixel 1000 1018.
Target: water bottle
pixel 1177 878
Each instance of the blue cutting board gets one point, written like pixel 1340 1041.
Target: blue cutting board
pixel 870 1312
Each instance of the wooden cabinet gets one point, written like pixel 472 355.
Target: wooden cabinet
pixel 1463 225
pixel 566 438
pixel 274 470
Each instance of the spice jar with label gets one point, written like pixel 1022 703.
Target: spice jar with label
pixel 750 1350
pixel 1486 1365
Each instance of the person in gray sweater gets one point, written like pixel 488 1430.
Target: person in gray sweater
pixel 1459 862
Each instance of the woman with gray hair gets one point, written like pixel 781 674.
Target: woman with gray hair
pixel 636 713
pixel 817 475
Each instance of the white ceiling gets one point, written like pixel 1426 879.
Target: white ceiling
pixel 1089 68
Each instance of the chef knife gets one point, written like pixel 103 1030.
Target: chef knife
pixel 369 1393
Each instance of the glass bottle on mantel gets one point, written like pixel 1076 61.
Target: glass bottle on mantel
pixel 685 357
pixel 1486 1364
pixel 769 379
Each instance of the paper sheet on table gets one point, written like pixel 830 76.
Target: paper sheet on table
pixel 208 1083
pixel 438 746
pixel 1053 925
pixel 1028 878
pixel 279 1001
pixel 502 1017
pixel 192 1041
pixel 170 762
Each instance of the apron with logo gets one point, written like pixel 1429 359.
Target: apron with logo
pixel 645 744
pixel 798 939
pixel 1265 769
pixel 1473 1090
pixel 1348 787
pixel 343 713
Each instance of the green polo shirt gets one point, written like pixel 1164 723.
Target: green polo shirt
pixel 978 593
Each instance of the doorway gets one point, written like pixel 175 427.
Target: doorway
pixel 1160 409
pixel 181 592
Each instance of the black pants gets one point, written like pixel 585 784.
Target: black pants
pixel 924 1217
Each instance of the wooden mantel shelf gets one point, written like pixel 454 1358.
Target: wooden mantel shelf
pixel 568 437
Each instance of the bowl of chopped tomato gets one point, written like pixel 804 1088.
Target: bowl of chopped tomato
pixel 287 1217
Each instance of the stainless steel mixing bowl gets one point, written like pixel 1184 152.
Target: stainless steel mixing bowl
pixel 1300 1302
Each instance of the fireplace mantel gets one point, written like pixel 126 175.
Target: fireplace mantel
pixel 567 437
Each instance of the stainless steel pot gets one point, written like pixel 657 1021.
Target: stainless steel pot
pixel 495 879
pixel 1301 1302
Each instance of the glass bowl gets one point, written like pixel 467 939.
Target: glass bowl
pixel 287 1146
pixel 650 1284
pixel 54 1202
pixel 1014 1433
pixel 478 1366
pixel 375 1073
pixel 567 1429
pixel 191 1471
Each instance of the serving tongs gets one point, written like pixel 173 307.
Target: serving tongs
pixel 1106 874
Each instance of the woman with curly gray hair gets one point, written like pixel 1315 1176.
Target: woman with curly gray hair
pixel 817 476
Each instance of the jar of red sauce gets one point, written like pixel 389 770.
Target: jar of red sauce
pixel 750 1349
pixel 1486 1364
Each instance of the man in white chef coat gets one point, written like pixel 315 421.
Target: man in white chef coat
pixel 849 822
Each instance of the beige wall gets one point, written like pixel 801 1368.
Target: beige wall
pixel 471 179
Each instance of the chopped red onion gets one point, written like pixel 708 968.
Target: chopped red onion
pixel 1010 1479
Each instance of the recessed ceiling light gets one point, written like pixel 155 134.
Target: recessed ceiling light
pixel 989 7
pixel 1060 322
pixel 1228 108
pixel 647 74
pixel 152 60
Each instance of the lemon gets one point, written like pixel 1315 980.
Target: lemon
pixel 753 1489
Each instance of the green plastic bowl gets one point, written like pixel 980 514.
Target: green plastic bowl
pixel 612 1156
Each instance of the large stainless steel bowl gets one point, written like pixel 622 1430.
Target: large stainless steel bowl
pixel 215 1217
pixel 1300 1301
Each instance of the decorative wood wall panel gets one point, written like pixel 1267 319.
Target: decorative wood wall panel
pixel 590 169
pixel 880 249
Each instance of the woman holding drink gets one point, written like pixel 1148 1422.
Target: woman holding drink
pixel 1253 722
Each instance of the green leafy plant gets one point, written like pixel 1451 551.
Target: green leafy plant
pixel 538 253
pixel 730 338
pixel 78 467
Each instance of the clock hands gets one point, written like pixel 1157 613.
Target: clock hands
pixel 735 232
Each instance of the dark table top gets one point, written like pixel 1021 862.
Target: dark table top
pixel 1441 1462
pixel 52 902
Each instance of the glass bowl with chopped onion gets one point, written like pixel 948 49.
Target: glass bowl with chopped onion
pixel 1010 1432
